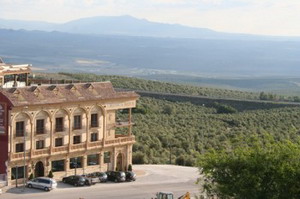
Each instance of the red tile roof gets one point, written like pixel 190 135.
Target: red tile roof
pixel 62 93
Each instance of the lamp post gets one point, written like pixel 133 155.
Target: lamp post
pixel 24 168
pixel 170 146
pixel 75 164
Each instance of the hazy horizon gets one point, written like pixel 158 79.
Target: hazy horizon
pixel 269 17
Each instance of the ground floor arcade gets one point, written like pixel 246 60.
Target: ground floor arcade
pixel 64 164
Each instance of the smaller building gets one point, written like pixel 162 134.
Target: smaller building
pixel 12 75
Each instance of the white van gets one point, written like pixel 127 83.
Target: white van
pixel 44 183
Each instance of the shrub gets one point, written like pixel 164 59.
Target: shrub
pixel 50 175
pixel 129 167
pixel 31 176
pixel 138 158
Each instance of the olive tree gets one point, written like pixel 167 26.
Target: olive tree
pixel 257 170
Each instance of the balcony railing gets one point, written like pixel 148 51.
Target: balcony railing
pixel 41 152
pixel 20 133
pixel 94 124
pixel 95 144
pixel 20 155
pixel 117 141
pixel 78 127
pixel 59 128
pixel 78 146
pixel 40 131
pixel 60 149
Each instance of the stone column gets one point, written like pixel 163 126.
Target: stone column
pixel 101 160
pixel 104 126
pixel 31 137
pixel 84 163
pixel 129 121
pixel 51 132
pixel 114 163
pixel 70 132
pixel 11 138
pixel 67 162
pixel 87 116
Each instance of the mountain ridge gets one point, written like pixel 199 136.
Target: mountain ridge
pixel 130 26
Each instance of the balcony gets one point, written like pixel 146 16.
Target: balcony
pixel 59 128
pixel 20 133
pixel 20 155
pixel 40 152
pixel 40 131
pixel 120 141
pixel 78 146
pixel 96 144
pixel 60 149
pixel 94 124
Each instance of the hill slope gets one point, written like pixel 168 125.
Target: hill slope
pixel 187 129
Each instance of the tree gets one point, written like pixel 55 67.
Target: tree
pixel 270 170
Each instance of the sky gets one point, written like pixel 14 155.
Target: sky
pixel 266 17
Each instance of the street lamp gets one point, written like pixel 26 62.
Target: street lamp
pixel 24 168
pixel 75 164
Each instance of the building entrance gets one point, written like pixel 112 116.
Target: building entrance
pixel 39 169
pixel 119 162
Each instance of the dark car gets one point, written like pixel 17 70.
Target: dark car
pixel 75 180
pixel 101 175
pixel 130 176
pixel 116 176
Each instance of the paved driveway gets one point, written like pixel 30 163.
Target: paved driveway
pixel 151 179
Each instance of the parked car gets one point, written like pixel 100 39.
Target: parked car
pixel 75 180
pixel 130 176
pixel 116 176
pixel 101 175
pixel 44 183
pixel 91 178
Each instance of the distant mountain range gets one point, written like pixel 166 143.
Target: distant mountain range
pixel 130 26
pixel 134 47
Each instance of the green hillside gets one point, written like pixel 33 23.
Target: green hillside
pixel 164 87
pixel 192 129
pixel 187 129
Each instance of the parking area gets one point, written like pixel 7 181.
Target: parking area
pixel 150 179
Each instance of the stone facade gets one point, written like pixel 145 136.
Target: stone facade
pixel 73 136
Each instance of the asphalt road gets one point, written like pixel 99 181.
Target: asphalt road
pixel 151 179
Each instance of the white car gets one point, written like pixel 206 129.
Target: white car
pixel 44 183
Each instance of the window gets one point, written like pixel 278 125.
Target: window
pixel 107 157
pixel 18 172
pixel 59 142
pixel 58 165
pixel 20 129
pixel 39 144
pixel 76 162
pixel 59 124
pixel 94 137
pixel 94 120
pixel 77 122
pixel 19 147
pixel 76 139
pixel 39 126
pixel 93 159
